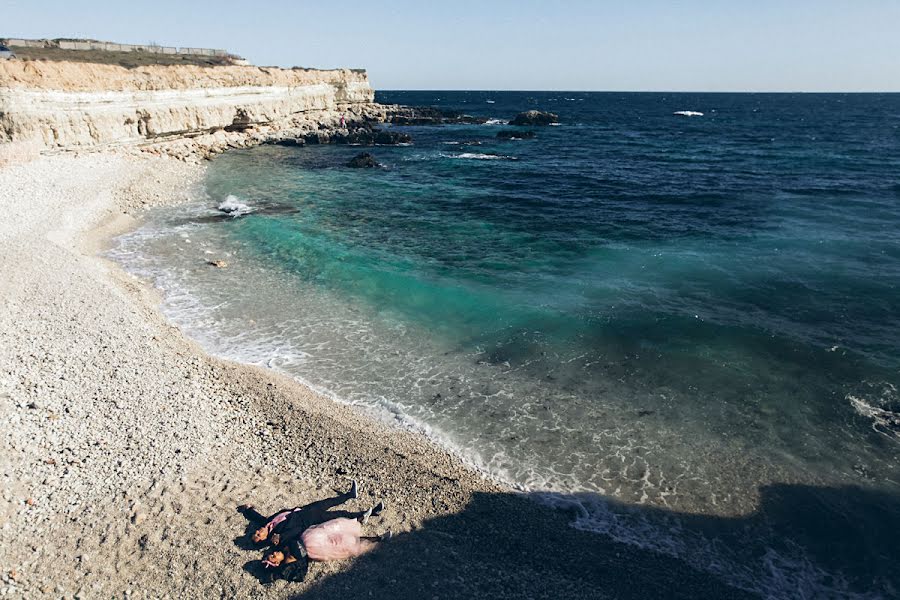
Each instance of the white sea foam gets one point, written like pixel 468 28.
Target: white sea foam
pixel 688 113
pixel 884 421
pixel 495 122
pixel 491 101
pixel 479 156
pixel 234 207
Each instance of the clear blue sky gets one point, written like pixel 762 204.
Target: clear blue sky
pixel 714 45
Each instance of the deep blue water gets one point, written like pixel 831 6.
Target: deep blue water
pixel 673 313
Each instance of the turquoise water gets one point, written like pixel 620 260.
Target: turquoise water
pixel 667 312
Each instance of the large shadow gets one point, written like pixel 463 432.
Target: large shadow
pixel 508 546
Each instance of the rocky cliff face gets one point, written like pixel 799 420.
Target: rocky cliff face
pixel 176 109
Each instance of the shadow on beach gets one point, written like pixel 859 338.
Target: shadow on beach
pixel 507 546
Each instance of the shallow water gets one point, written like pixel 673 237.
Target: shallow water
pixel 669 311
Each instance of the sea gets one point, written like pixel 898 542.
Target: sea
pixel 685 329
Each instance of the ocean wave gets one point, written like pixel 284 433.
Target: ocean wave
pixel 495 122
pixel 233 206
pixel 687 113
pixel 480 156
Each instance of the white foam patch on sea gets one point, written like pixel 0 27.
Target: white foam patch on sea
pixel 880 407
pixel 232 205
pixel 479 156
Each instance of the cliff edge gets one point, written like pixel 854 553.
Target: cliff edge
pixel 182 110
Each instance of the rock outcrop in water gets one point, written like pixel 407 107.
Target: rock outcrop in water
pixel 534 117
pixel 362 135
pixel 363 161
pixel 428 115
pixel 180 110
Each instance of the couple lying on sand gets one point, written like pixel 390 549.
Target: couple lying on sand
pixel 311 532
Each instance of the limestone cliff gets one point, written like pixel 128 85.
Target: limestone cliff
pixel 178 109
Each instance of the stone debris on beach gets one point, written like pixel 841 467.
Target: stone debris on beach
pixel 219 264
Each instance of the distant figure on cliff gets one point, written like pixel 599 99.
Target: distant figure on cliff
pixel 343 122
pixel 311 532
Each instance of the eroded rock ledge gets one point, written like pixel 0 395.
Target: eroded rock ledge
pixel 184 111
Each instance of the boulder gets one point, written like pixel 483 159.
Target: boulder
pixel 534 117
pixel 391 138
pixel 363 161
pixel 507 134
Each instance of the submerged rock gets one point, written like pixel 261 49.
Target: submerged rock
pixel 363 161
pixel 534 117
pixel 233 207
pixel 514 135
pixel 219 264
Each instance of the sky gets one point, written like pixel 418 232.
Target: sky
pixel 636 45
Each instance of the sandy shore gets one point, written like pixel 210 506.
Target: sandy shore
pixel 124 448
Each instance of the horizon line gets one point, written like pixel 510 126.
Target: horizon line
pixel 637 91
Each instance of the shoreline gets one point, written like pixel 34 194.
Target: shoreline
pixel 127 447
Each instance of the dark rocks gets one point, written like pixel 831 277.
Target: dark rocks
pixel 391 137
pixel 241 122
pixel 290 142
pixel 360 136
pixel 357 133
pixel 534 117
pixel 514 135
pixel 429 115
pixel 316 137
pixel 363 161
